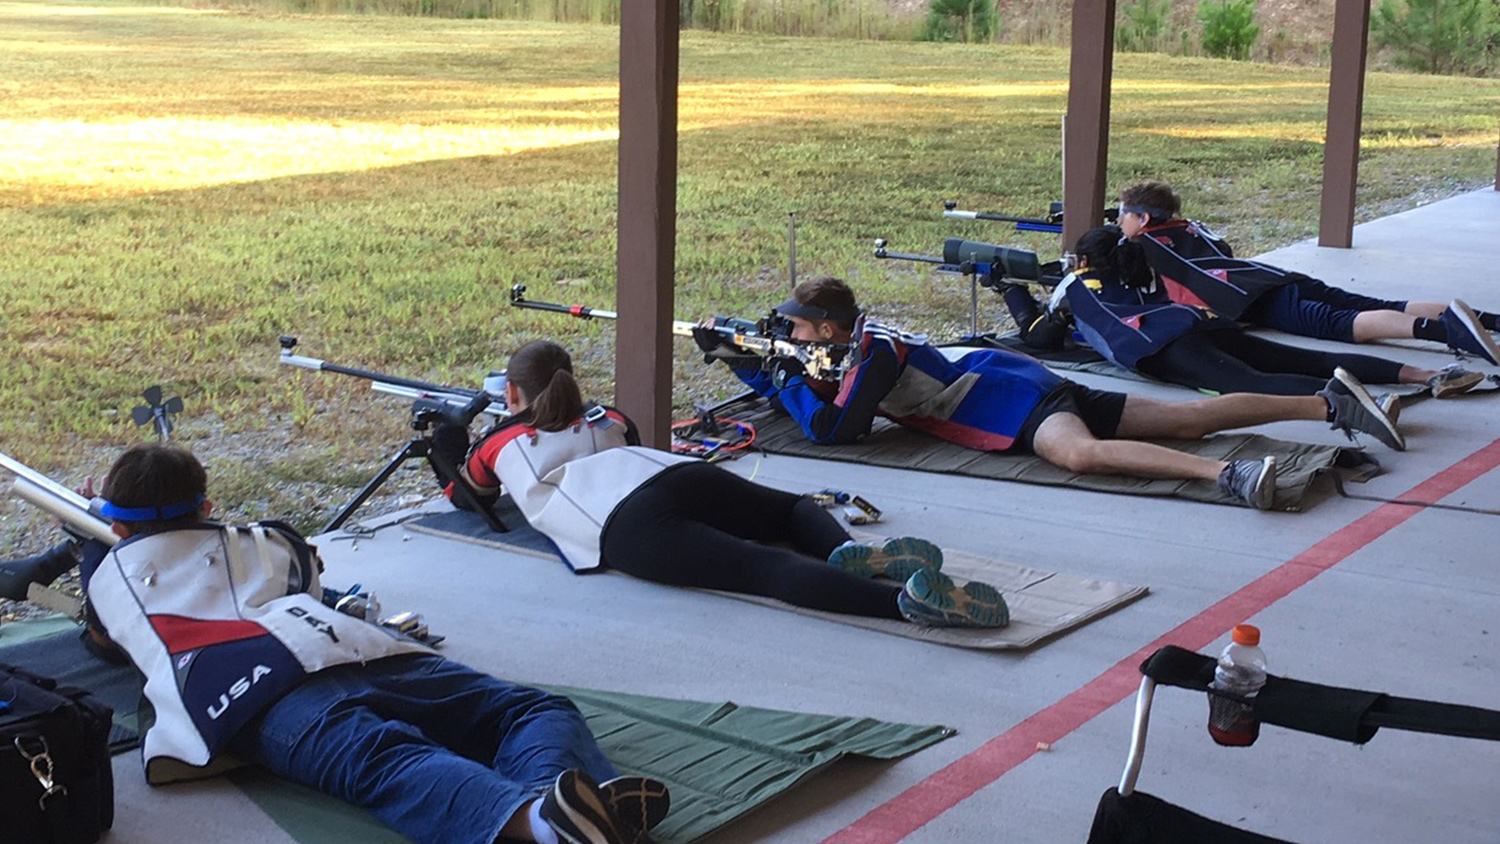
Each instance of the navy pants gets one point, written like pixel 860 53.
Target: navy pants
pixel 1307 307
pixel 1234 361
pixel 439 752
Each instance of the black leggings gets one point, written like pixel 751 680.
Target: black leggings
pixel 1233 361
pixel 698 525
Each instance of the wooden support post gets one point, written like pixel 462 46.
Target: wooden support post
pixel 1086 133
pixel 647 228
pixel 1346 98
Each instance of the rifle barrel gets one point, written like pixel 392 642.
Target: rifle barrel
pixel 381 377
pixel 38 479
pixel 65 508
pixel 998 218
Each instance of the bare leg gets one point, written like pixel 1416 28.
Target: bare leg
pixel 1425 310
pixel 1189 420
pixel 1064 440
pixel 1385 325
pixel 1415 375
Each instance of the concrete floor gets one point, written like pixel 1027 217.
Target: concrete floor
pixel 1353 593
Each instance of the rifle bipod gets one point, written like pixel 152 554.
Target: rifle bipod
pixel 448 474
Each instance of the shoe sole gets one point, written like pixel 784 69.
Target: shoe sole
pixel 586 817
pixel 898 559
pixel 1393 436
pixel 1263 494
pixel 974 605
pixel 639 803
pixel 1470 321
pixel 1457 386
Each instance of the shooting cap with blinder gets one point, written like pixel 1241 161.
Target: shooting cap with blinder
pixel 793 308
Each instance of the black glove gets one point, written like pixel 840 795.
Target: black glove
pixel 716 346
pixel 784 370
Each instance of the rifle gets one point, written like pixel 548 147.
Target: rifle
pixel 430 403
pixel 986 265
pixel 768 338
pixel 56 499
pixel 1052 223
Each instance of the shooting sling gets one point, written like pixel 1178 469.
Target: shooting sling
pixel 56 784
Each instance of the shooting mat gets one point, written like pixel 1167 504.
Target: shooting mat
pixel 1297 464
pixel 721 760
pixel 1042 603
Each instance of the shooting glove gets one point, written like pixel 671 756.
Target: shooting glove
pixel 716 346
pixel 784 370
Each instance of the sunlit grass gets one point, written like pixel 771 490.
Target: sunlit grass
pixel 178 187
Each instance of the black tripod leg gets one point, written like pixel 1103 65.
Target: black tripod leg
pixel 415 448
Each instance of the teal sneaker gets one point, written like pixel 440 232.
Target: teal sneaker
pixel 932 599
pixel 897 559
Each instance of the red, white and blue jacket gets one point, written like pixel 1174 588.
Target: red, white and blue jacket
pixel 222 621
pixel 568 483
pixel 979 400
pixel 1196 267
pixel 1126 324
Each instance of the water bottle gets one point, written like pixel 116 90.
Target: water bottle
pixel 1241 671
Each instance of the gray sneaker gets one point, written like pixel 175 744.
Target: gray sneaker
pixel 1390 405
pixel 1354 409
pixel 1251 481
pixel 1453 380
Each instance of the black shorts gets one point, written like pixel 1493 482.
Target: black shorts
pixel 1100 410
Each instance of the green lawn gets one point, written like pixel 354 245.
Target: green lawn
pixel 179 186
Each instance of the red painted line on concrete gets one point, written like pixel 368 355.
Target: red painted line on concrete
pixel 920 804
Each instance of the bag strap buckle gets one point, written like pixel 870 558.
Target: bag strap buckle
pixel 41 768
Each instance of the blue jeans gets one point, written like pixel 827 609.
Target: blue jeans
pixel 436 750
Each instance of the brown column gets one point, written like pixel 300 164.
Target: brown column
pixel 647 216
pixel 1086 135
pixel 1346 100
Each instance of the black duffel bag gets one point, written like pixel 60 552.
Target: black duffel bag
pixel 56 784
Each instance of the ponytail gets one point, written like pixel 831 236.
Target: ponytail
pixel 543 372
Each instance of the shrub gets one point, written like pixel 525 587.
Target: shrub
pixel 1438 36
pixel 961 20
pixel 1145 23
pixel 1229 28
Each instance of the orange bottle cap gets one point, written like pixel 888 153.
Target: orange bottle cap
pixel 1246 634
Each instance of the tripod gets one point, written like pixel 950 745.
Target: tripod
pixel 423 414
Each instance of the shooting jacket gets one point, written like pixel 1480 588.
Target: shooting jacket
pixel 979 400
pixel 1126 324
pixel 222 621
pixel 569 483
pixel 1196 267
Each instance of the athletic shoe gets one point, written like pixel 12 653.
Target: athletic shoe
pixel 1466 334
pixel 1390 405
pixel 578 810
pixel 639 804
pixel 1453 380
pixel 1251 481
pixel 932 599
pixel 897 559
pixel 1354 409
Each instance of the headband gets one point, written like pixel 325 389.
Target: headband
pixel 1154 213
pixel 162 513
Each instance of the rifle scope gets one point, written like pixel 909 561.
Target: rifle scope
pixel 1013 263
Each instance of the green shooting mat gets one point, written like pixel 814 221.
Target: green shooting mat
pixel 890 445
pixel 721 760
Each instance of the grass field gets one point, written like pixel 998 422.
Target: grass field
pixel 178 187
